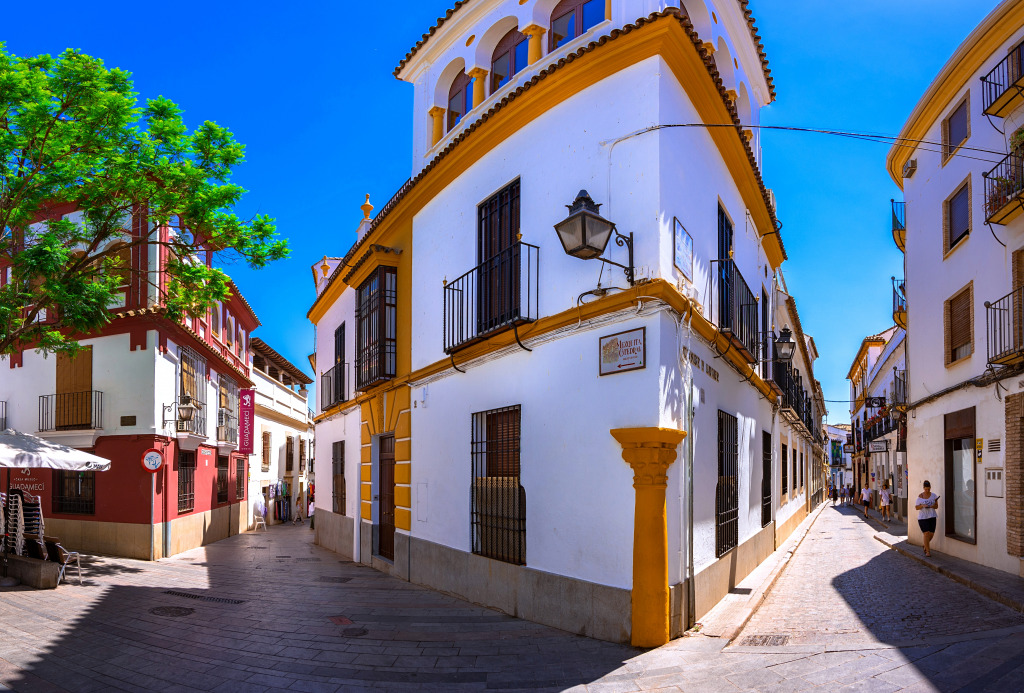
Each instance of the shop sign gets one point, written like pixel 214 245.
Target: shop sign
pixel 623 351
pixel 152 460
pixel 849 448
pixel 878 446
pixel 246 423
pixel 32 481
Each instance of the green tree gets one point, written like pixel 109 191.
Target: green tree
pixel 72 133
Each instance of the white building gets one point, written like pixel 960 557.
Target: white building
pixel 488 403
pixel 963 239
pixel 840 461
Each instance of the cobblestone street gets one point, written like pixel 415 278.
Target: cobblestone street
pixel 271 611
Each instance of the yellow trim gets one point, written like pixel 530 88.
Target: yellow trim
pixel 403 473
pixel 403 497
pixel 536 48
pixel 376 259
pixel 994 31
pixel 403 451
pixel 437 124
pixel 367 512
pixel 649 452
pixel 403 428
pixel 479 76
pixel 365 454
pixel 366 473
pixel 403 519
pixel 366 493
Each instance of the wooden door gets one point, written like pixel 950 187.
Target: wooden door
pixel 498 259
pixel 72 408
pixel 386 502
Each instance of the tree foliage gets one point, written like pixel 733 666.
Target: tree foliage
pixel 74 136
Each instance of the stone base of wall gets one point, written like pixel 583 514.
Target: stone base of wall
pixel 334 532
pixel 790 525
pixel 36 573
pixel 399 567
pixel 678 609
pixel 712 583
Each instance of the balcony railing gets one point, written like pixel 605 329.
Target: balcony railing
pixel 227 427
pixel 1001 88
pixel 497 294
pixel 899 302
pixel 878 429
pixel 737 310
pixel 197 424
pixel 71 411
pixel 1004 325
pixel 770 365
pixel 333 388
pixel 899 224
pixel 1003 187
pixel 900 393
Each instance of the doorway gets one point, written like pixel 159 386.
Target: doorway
pixel 386 498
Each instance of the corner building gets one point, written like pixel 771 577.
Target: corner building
pixel 962 233
pixel 534 432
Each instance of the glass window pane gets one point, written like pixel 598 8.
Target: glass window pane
pixel 468 95
pixel 501 70
pixel 563 29
pixel 522 56
pixel 455 109
pixel 958 126
pixel 593 14
pixel 959 216
pixel 962 502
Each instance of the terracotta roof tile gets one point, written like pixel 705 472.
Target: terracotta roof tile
pixel 551 69
pixel 264 350
pixel 430 32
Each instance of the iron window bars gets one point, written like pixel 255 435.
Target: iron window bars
pixel 737 309
pixel 71 411
pixel 766 478
pixel 3 415
pixel 1004 325
pixel 338 472
pixel 332 387
pixel 727 489
pixel 240 480
pixel 192 389
pixel 74 492
pixel 265 458
pixel 186 481
pixel 222 479
pixel 289 453
pixel 376 326
pixel 227 412
pixel 497 498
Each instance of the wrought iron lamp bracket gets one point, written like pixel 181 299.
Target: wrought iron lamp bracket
pixel 627 242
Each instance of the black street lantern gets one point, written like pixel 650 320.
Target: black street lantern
pixel 784 346
pixel 584 234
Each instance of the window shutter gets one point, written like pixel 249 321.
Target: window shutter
pixel 959 215
pixel 957 127
pixel 959 322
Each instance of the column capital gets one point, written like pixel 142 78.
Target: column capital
pixel 476 72
pixel 649 451
pixel 436 111
pixel 533 30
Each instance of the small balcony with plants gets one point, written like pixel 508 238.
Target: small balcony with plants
pixel 1004 329
pixel 499 294
pixel 899 302
pixel 899 224
pixel 1002 89
pixel 1004 188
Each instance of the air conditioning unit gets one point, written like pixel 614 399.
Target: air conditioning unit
pixel 909 168
pixel 182 426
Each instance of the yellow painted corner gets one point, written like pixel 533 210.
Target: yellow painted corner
pixel 403 519
pixel 403 428
pixel 366 473
pixel 366 454
pixel 366 493
pixel 403 496
pixel 403 473
pixel 403 450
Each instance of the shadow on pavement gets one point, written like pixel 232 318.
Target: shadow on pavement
pixel 271 611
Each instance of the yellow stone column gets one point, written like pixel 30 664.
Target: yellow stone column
pixel 479 76
pixel 649 451
pixel 535 33
pixel 437 114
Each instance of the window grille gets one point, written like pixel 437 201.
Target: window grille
pixel 302 456
pixel 74 492
pixel 766 478
pixel 338 472
pixel 727 492
pixel 376 326
pixel 240 478
pixel 289 453
pixel 498 500
pixel 227 409
pixel 265 459
pixel 186 481
pixel 784 468
pixel 222 479
pixel 192 388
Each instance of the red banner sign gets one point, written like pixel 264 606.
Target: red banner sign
pixel 246 420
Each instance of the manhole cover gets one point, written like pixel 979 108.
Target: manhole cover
pixel 765 640
pixel 172 611
pixel 331 578
pixel 340 620
pixel 219 600
pixel 354 632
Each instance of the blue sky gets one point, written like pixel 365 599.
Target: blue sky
pixel 307 87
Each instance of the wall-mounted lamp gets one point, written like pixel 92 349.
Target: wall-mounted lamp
pixel 186 410
pixel 585 233
pixel 785 346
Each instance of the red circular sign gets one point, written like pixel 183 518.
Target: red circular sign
pixel 152 460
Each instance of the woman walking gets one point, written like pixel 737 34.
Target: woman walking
pixel 865 496
pixel 927 505
pixel 885 497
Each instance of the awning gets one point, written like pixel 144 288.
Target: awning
pixel 25 451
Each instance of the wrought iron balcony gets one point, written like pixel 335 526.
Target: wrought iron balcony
pixel 878 429
pixel 770 364
pixel 333 388
pixel 1001 89
pixel 899 224
pixel 737 310
pixel 1004 188
pixel 498 294
pixel 1004 325
pixel 71 411
pixel 227 427
pixel 900 393
pixel 899 302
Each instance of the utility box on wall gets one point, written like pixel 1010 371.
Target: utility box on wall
pixel 994 482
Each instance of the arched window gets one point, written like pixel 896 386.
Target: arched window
pixel 215 319
pixel 123 254
pixel 460 98
pixel 510 56
pixel 572 18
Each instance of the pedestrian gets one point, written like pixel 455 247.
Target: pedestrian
pixel 927 505
pixel 885 496
pixel 835 496
pixel 298 511
pixel 865 496
pixel 312 513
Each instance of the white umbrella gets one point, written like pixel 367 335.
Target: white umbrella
pixel 24 451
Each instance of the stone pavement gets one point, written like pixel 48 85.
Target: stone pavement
pixel 270 611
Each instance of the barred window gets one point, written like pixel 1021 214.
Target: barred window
pixel 222 479
pixel 498 500
pixel 302 455
pixel 240 480
pixel 289 453
pixel 227 409
pixel 265 461
pixel 74 493
pixel 766 478
pixel 727 491
pixel 784 468
pixel 192 381
pixel 338 472
pixel 186 481
pixel 376 327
